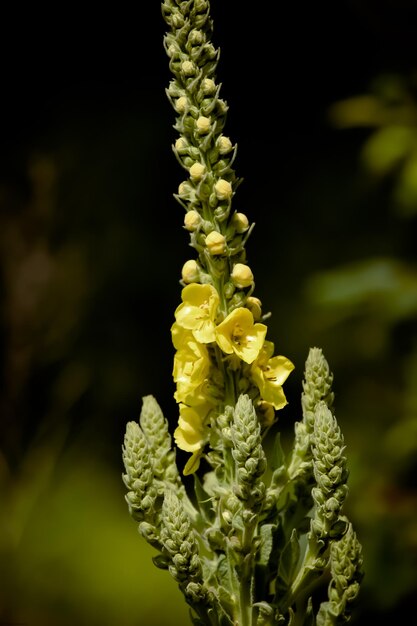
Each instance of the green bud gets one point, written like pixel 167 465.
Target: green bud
pixel 247 447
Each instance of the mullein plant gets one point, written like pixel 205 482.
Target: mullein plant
pixel 255 539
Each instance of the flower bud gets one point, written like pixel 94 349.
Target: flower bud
pixel 181 145
pixel 224 145
pixel 200 6
pixel 197 171
pixel 223 189
pixel 184 189
pixel 174 90
pixel 177 20
pixel 172 50
pixel 181 104
pixel 203 125
pixel 229 289
pixel 188 68
pixel 196 37
pixel 240 222
pixel 210 50
pixel 216 243
pixel 192 220
pixel 221 107
pixel 190 271
pixel 255 307
pixel 242 275
pixel 208 86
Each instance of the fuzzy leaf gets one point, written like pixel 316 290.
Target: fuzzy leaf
pixel 226 599
pixel 222 569
pixel 267 541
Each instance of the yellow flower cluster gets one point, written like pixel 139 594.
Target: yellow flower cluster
pixel 204 345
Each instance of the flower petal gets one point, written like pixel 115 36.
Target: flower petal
pixel 193 463
pixel 250 346
pixel 279 369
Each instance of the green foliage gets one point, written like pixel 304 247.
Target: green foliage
pixel 237 550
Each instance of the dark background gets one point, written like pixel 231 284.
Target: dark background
pixel 91 251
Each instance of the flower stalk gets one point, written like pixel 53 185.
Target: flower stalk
pixel 254 540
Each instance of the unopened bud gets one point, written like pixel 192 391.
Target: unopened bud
pixel 216 243
pixel 181 145
pixel 224 144
pixel 223 189
pixel 192 220
pixel 242 275
pixel 208 86
pixel 203 125
pixel 181 104
pixel 255 307
pixel 184 188
pixel 200 6
pixel 188 68
pixel 177 20
pixel 240 222
pixel 197 171
pixel 190 272
pixel 196 37
pixel 172 50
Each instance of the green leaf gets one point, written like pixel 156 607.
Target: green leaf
pixel 226 600
pixel 338 529
pixel 309 619
pixel 387 147
pixel 277 547
pixel 204 500
pixel 267 541
pixel 161 561
pixel 266 613
pixel 277 454
pixel 289 559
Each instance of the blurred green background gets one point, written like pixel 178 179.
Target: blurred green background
pixel 323 105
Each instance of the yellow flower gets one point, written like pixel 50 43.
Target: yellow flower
pixel 191 362
pixel 238 334
pixel 190 434
pixel 193 463
pixel 269 374
pixel 198 311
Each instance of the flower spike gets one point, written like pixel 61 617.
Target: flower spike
pixel 262 526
